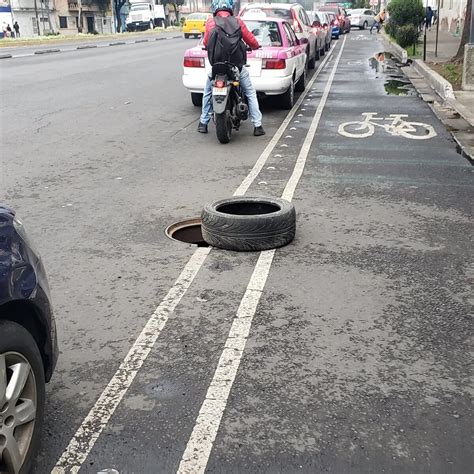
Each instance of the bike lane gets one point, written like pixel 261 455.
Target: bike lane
pixel 357 359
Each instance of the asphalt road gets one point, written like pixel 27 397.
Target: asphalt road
pixel 356 357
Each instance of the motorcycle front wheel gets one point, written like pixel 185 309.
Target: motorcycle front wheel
pixel 223 126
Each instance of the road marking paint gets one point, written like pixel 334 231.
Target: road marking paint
pixel 199 447
pixel 94 423
pixel 398 127
pixel 242 189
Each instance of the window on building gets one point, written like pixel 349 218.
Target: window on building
pixel 35 26
pixel 63 22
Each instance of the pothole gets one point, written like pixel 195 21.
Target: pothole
pixel 188 231
pixel 396 87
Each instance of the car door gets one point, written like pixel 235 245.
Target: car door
pixel 296 56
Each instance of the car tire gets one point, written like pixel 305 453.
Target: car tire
pixel 317 53
pixel 186 35
pixel 312 61
pixel 365 25
pixel 288 98
pixel 327 46
pixel 301 84
pixel 322 52
pixel 18 346
pixel 248 223
pixel 196 99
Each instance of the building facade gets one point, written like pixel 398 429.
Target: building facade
pixel 452 15
pixel 35 17
pixel 96 17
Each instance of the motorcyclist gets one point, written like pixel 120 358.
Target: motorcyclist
pixel 224 8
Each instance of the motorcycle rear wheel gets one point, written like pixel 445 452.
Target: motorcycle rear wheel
pixel 223 127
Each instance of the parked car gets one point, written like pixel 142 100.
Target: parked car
pixel 342 20
pixel 28 347
pixel 296 15
pixel 319 31
pixel 326 26
pixel 361 17
pixel 334 27
pixel 195 24
pixel 278 68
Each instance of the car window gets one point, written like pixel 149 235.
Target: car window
pixel 266 32
pixel 316 18
pixel 270 12
pixel 290 34
pixel 306 18
pixel 197 16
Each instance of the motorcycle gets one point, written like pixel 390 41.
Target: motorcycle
pixel 228 100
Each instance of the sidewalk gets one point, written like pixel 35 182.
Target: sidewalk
pixel 447 46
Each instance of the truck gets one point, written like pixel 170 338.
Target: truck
pixel 145 14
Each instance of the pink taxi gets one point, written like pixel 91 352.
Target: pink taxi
pixel 278 68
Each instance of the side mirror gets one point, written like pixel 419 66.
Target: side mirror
pixel 316 24
pixel 298 42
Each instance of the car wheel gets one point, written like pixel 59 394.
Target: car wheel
pixel 327 46
pixel 311 61
pixel 248 223
pixel 301 84
pixel 288 98
pixel 322 51
pixel 22 394
pixel 365 25
pixel 186 35
pixel 196 99
pixel 317 54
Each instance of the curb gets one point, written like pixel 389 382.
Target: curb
pixel 437 82
pixel 400 53
pixel 85 46
pixel 47 51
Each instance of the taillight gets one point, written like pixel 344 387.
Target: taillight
pixel 193 62
pixel 315 30
pixel 326 27
pixel 219 84
pixel 336 22
pixel 339 17
pixel 274 64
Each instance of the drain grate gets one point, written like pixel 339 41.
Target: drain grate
pixel 188 231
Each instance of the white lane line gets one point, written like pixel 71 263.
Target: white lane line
pixel 199 447
pixel 246 183
pixel 94 423
pixel 87 434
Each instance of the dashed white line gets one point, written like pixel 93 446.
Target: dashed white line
pixel 199 447
pixel 91 428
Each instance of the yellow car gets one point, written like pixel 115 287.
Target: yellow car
pixel 195 24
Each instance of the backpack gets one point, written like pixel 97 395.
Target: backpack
pixel 225 42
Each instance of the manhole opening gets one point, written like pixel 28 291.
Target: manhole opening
pixel 248 208
pixel 188 231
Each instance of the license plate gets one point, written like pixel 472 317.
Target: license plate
pixel 137 23
pixel 195 31
pixel 219 91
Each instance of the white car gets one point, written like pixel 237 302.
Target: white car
pixel 278 68
pixel 361 17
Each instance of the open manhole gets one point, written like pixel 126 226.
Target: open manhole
pixel 188 231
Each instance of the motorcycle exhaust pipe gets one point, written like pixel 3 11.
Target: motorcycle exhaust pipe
pixel 242 111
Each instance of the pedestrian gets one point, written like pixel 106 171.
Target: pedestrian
pixel 4 29
pixel 16 27
pixel 9 31
pixel 428 17
pixel 378 21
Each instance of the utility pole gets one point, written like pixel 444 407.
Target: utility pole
pixel 37 21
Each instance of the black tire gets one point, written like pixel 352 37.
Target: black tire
pixel 223 127
pixel 186 35
pixel 312 61
pixel 196 99
pixel 323 51
pixel 301 84
pixel 365 25
pixel 248 223
pixel 14 338
pixel 288 98
pixel 336 36
pixel 327 46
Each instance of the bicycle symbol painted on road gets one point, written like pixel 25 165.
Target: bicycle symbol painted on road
pixel 395 126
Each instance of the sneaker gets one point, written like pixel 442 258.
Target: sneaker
pixel 258 131
pixel 202 127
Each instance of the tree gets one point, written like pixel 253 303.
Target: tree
pixel 118 4
pixel 459 57
pixel 360 4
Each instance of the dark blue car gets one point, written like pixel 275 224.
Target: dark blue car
pixel 28 346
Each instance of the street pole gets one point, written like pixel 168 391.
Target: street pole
pixel 37 21
pixel 471 34
pixel 437 31
pixel 424 33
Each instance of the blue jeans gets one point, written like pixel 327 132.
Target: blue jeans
pixel 250 94
pixel 375 24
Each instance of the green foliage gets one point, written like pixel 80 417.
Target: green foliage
pixel 406 12
pixel 406 35
pixel 360 4
pixel 391 28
